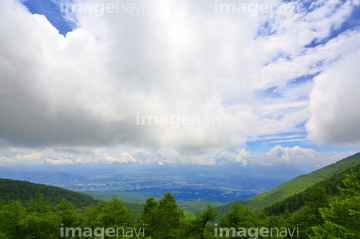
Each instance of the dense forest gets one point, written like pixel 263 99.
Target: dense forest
pixel 24 191
pixel 328 208
pixel 331 186
pixel 325 213
pixel 297 185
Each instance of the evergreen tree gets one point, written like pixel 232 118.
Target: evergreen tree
pixel 115 214
pixel 237 217
pixel 67 214
pixel 92 218
pixel 207 215
pixel 38 204
pixel 12 217
pixel 161 219
pixel 342 218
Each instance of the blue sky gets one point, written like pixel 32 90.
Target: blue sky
pixel 282 82
pixel 52 12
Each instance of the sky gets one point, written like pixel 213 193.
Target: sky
pixel 197 82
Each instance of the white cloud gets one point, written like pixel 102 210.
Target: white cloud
pixel 296 156
pixel 58 161
pixel 334 103
pixel 277 155
pixel 121 158
pixel 176 58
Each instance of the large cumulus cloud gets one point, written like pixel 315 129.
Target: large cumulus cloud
pixel 334 103
pixel 175 58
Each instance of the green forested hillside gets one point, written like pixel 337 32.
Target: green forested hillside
pixel 295 185
pixel 24 191
pixel 315 213
pixel 331 186
pixel 164 219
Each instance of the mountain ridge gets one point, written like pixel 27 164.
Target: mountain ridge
pixel 24 191
pixel 295 185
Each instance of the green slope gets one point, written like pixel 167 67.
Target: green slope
pixel 24 191
pixel 295 202
pixel 294 186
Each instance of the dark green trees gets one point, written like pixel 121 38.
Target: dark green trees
pixel 69 217
pixel 202 219
pixel 161 218
pixel 164 219
pixel 37 221
pixel 342 218
pixel 115 214
pixel 12 220
pixel 198 226
pixel 238 216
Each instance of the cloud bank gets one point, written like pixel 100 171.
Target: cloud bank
pixel 263 74
pixel 116 156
